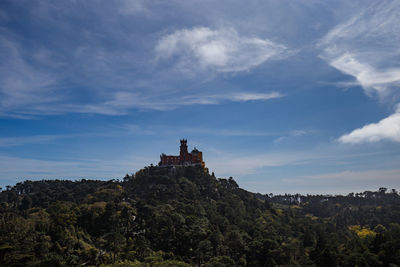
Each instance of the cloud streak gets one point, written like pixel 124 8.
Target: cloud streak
pixel 219 50
pixel 293 134
pixel 36 139
pixel 44 139
pixel 122 102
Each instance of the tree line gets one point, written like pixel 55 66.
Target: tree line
pixel 187 217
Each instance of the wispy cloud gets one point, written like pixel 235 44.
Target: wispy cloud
pixel 36 139
pixel 31 91
pixel 136 129
pixel 293 134
pixel 366 47
pixel 229 96
pixel 220 50
pixel 25 81
pixel 230 132
pixel 123 101
pixel 374 81
pixel 386 129
pixel 133 7
pixel 89 64
pixel 241 97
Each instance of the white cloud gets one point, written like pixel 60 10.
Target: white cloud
pixel 221 50
pixel 366 47
pixel 386 129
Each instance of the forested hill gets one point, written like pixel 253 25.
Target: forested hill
pixel 187 217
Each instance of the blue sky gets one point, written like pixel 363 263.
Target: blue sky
pixel 285 96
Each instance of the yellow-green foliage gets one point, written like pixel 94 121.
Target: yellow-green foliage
pixel 279 212
pixel 161 263
pixel 312 217
pixel 362 232
pixel 100 205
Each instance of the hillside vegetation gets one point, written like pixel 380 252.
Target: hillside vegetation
pixel 187 217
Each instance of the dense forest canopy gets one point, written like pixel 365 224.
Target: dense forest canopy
pixel 186 217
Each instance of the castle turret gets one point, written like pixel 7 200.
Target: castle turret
pixel 183 151
pixel 184 158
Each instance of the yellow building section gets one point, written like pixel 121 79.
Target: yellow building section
pixel 200 156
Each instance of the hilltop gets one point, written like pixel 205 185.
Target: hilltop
pixel 184 216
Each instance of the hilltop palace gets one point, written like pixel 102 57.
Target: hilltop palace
pixel 185 158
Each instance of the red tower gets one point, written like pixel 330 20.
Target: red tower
pixel 184 151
